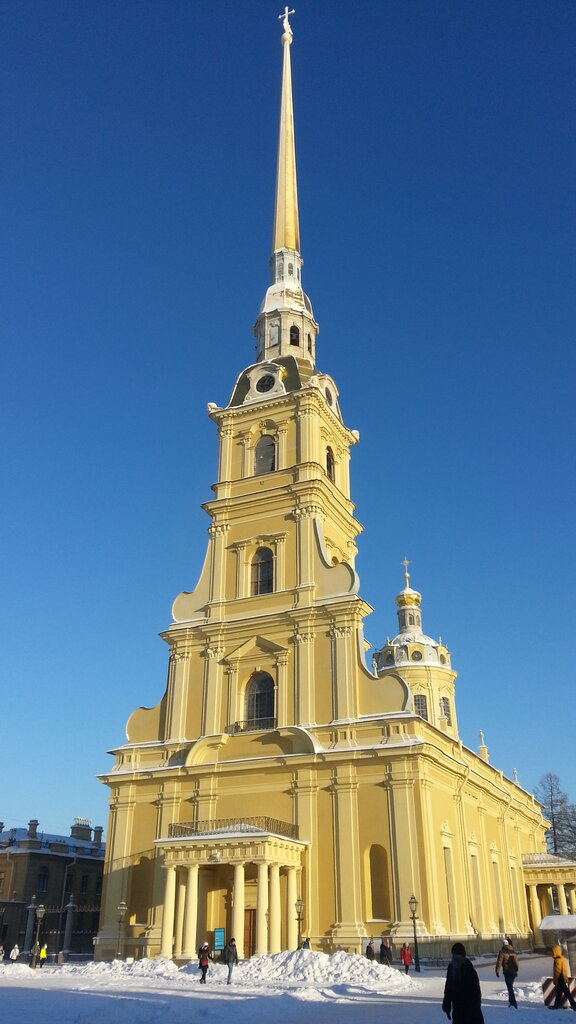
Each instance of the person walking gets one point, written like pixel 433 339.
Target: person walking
pixel 1 952
pixel 43 955
pixel 560 978
pixel 406 957
pixel 14 953
pixel 230 957
pixel 385 953
pixel 306 944
pixel 507 962
pixel 462 995
pixel 203 961
pixel 370 954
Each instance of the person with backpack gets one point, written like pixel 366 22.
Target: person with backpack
pixel 507 962
pixel 230 957
pixel 560 978
pixel 462 995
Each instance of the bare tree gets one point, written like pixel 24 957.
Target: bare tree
pixel 561 814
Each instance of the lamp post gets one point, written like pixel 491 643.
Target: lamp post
pixel 299 917
pixel 122 908
pixel 40 911
pixel 413 904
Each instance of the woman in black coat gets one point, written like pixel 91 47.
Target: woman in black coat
pixel 462 996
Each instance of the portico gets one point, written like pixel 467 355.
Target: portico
pixel 241 876
pixel 544 873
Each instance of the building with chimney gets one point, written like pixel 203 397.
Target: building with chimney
pixel 282 786
pixel 62 875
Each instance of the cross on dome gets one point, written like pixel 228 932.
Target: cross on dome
pixel 284 19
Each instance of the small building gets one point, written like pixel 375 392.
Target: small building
pixel 62 874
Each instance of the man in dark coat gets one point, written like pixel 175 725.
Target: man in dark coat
pixel 230 957
pixel 370 950
pixel 462 996
pixel 507 962
pixel 385 953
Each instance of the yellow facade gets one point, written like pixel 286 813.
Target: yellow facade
pixel 278 766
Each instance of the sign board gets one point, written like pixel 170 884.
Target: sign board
pixel 218 939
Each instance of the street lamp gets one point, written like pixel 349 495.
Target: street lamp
pixel 299 917
pixel 40 911
pixel 413 904
pixel 122 908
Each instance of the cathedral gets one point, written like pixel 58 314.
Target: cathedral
pixel 282 787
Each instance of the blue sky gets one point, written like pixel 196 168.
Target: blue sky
pixel 436 155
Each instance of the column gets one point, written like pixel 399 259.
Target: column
pixel 238 908
pixel 180 901
pixel 217 534
pixel 562 905
pixel 233 711
pixel 282 436
pixel 548 901
pixel 241 569
pixel 343 673
pixel 178 691
pixel 535 914
pixel 262 909
pixel 572 898
pixel 281 690
pixel 304 713
pixel 291 897
pixel 168 914
pixel 68 927
pixel 349 915
pixel 225 435
pixel 280 566
pixel 274 911
pixel 212 689
pixel 190 913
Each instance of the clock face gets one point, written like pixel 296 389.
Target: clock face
pixel 265 383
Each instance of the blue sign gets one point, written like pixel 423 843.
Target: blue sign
pixel 219 939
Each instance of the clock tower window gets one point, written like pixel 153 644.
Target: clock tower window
pixel 294 335
pixel 262 575
pixel 330 465
pixel 265 455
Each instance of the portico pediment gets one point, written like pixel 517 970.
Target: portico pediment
pixel 256 645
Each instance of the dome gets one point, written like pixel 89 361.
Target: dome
pixel 413 637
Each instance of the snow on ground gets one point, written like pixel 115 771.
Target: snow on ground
pixel 285 988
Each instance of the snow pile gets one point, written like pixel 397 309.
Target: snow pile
pixel 306 966
pixel 159 969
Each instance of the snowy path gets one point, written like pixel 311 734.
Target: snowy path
pixel 282 989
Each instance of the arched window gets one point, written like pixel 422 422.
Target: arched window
pixel 260 702
pixel 294 335
pixel 421 706
pixel 265 456
pixel 263 572
pixel 445 709
pixel 42 880
pixel 379 884
pixel 330 466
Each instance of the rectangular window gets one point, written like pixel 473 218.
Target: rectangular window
pixel 84 885
pixel 2 880
pixel 421 706
pixel 445 710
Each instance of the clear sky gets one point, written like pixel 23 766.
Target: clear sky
pixel 436 159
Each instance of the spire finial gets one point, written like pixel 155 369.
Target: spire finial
pixel 285 23
pixel 406 563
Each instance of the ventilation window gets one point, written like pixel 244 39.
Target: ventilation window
pixel 389 659
pixel 329 398
pixel 445 709
pixel 262 572
pixel 291 269
pixel 411 620
pixel 442 659
pixel 260 702
pixel 416 655
pixel 294 336
pixel 265 455
pixel 330 465
pixel 421 706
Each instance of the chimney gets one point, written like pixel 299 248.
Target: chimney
pixel 32 828
pixel 81 829
pixel 98 835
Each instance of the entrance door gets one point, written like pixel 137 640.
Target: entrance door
pixel 249 932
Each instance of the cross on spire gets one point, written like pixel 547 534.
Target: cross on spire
pixel 406 563
pixel 284 19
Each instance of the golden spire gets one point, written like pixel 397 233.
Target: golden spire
pixel 286 228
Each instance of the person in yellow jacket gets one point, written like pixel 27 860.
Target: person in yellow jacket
pixel 43 954
pixel 560 977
